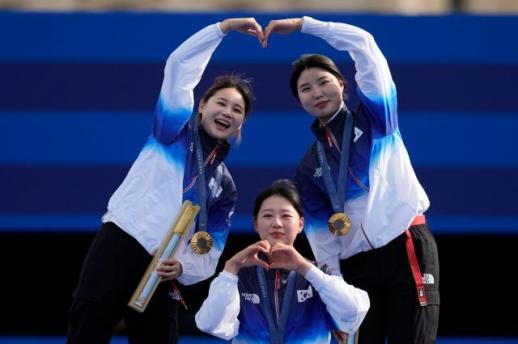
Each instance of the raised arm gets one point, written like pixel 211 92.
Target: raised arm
pixel 375 85
pixel 183 71
pixel 376 88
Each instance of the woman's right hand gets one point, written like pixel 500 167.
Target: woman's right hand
pixel 169 269
pixel 248 257
pixel 248 26
pixel 282 26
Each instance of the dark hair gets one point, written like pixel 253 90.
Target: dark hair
pixel 242 85
pixel 283 188
pixel 313 61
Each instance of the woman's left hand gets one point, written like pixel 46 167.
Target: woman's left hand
pixel 286 257
pixel 282 26
pixel 169 269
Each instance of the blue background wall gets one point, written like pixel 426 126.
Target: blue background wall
pixel 77 93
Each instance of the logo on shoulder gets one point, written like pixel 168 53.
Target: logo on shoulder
pixel 254 298
pixel 357 133
pixel 304 294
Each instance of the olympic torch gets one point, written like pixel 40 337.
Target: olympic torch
pixel 149 282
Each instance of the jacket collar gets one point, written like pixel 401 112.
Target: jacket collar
pixel 208 143
pixel 335 124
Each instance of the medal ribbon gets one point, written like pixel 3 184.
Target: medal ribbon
pixel 265 303
pixel 337 195
pixel 202 215
pixel 276 332
pixel 276 294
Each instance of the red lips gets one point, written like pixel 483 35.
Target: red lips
pixel 278 235
pixel 322 104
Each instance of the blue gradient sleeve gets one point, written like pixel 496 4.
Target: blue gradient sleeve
pixel 383 111
pixel 183 71
pixel 375 85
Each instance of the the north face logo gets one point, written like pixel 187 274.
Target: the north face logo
pixel 254 298
pixel 175 295
pixel 428 279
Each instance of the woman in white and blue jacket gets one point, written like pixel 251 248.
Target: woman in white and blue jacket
pixel 182 160
pixel 269 293
pixel 358 168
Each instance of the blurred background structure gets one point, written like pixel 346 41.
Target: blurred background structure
pixel 383 6
pixel 78 85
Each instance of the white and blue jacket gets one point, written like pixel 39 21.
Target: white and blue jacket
pixel 383 194
pixel 315 304
pixel 163 176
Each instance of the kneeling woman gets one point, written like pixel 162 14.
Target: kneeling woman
pixel 269 293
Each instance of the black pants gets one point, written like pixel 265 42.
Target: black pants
pixel 112 270
pixel 384 273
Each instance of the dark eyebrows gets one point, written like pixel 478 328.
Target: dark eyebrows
pixel 319 79
pixel 322 77
pixel 282 211
pixel 239 106
pixel 224 99
pixel 301 86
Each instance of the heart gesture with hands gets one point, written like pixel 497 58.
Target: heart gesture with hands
pixel 283 256
pixel 278 220
pixel 251 27
pixel 279 256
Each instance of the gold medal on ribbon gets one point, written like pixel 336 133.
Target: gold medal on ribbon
pixel 201 242
pixel 339 224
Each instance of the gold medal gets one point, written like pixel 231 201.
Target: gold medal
pixel 201 242
pixel 339 224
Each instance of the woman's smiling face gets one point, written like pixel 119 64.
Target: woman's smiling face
pixel 222 115
pixel 278 221
pixel 320 93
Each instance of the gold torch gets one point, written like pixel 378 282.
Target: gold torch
pixel 167 249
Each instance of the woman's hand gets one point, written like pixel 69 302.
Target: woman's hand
pixel 282 26
pixel 286 257
pixel 169 269
pixel 248 26
pixel 248 257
